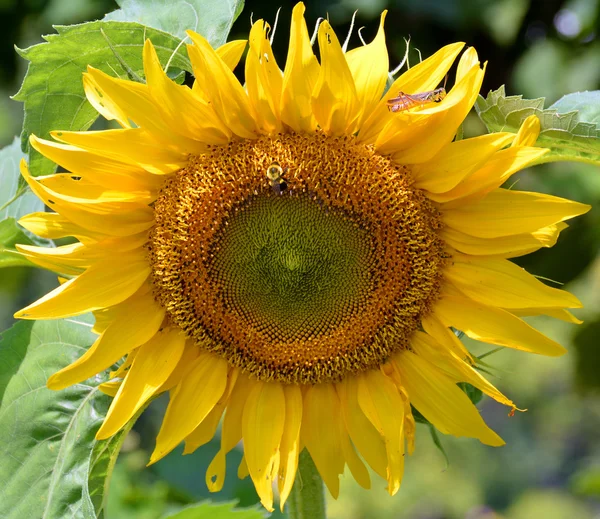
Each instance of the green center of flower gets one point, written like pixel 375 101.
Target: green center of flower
pixel 298 258
pixel 291 267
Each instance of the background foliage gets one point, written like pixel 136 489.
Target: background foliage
pixel 550 467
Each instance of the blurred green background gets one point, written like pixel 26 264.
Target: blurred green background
pixel 550 467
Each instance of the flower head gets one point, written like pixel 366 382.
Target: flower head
pixel 291 256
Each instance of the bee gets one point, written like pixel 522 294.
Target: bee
pixel 275 176
pixel 407 101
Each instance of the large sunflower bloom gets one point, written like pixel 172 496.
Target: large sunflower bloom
pixel 311 307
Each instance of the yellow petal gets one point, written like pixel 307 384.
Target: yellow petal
pixel 528 132
pixel 498 282
pixel 506 212
pixel 446 337
pixel 222 88
pixel 382 404
pixel 106 283
pixel 184 112
pixel 467 61
pixel 494 325
pixel 137 219
pixel 334 97
pixel 262 429
pixel 320 433
pixel 452 366
pixel 207 428
pixel 422 77
pixel 494 173
pixel 441 401
pixel 110 388
pixel 153 364
pixel 504 246
pixel 215 474
pixel 243 471
pixel 428 74
pixel 411 129
pixel 557 313
pixel 364 436
pixel 53 226
pixel 123 369
pixel 263 79
pixel 290 442
pixel 139 319
pixel 355 464
pixel 457 161
pixel 69 259
pixel 369 65
pixel 101 170
pixel 190 403
pixel 130 146
pixel 91 196
pixel 105 316
pixel 135 100
pixel 105 106
pixel 190 354
pixel 231 52
pixel 231 433
pixel 299 77
pixel 442 121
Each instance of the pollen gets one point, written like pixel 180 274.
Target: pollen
pixel 324 271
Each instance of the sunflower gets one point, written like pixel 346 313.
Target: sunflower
pixel 291 257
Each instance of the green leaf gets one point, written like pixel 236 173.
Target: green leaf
pixel 475 395
pixel 16 199
pixel 208 510
pixel 438 443
pixel 52 466
pixel 101 464
pixel 10 234
pixel 567 133
pixel 53 90
pixel 213 19
pixel 586 103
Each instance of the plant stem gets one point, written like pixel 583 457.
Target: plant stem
pixel 307 499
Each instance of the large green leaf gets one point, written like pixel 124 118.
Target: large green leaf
pixel 210 510
pixel 53 91
pixel 211 18
pixel 569 134
pixel 52 467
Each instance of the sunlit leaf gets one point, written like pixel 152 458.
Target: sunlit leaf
pixel 209 510
pixel 211 18
pixel 52 466
pixel 53 91
pixel 566 132
pixel 586 103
